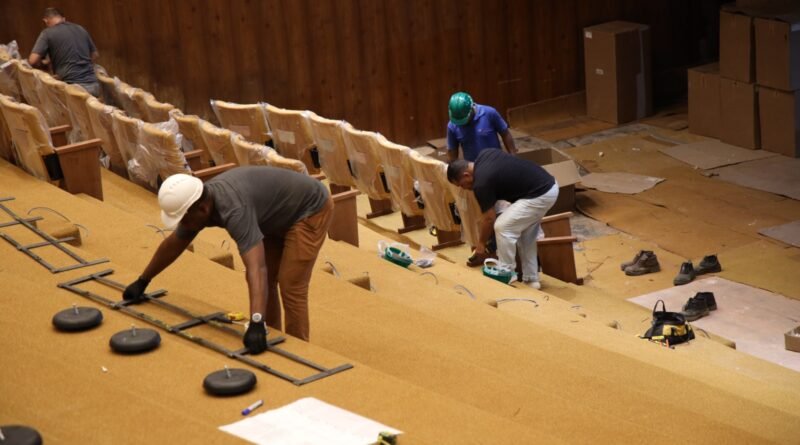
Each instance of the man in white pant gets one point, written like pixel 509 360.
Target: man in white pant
pixel 529 188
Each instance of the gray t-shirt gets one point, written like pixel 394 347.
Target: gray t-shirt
pixel 70 49
pixel 253 202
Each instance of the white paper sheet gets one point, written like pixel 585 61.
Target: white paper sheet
pixel 308 421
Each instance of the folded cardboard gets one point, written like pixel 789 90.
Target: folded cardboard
pixel 739 111
pixel 563 168
pixel 704 100
pixel 779 113
pixel 736 47
pixel 792 339
pixel 778 52
pixel 618 76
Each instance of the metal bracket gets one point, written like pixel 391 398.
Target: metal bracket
pixel 48 241
pixel 215 320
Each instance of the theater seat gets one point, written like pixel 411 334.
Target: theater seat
pixel 218 142
pixel 102 128
pixel 366 166
pixel 395 163
pixel 332 152
pixel 438 199
pixel 189 126
pixel 292 135
pixel 249 120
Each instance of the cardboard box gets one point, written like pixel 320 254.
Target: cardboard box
pixel 739 111
pixel 779 113
pixel 736 45
pixel 563 168
pixel 778 52
pixel 618 77
pixel 704 101
pixel 792 340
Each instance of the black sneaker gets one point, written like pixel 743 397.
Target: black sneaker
pixel 710 264
pixel 686 275
pixel 634 260
pixel 708 298
pixel 646 263
pixel 694 309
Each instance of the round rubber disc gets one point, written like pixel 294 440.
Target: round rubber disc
pixel 85 318
pixel 218 383
pixel 20 435
pixel 127 343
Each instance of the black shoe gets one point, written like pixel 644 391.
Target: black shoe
pixel 686 275
pixel 710 264
pixel 635 259
pixel 646 263
pixel 694 309
pixel 708 298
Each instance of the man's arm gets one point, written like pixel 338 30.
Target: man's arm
pixel 35 59
pixel 486 229
pixel 168 251
pixel 508 141
pixel 256 274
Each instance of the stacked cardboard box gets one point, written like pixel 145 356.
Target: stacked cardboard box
pixel 738 95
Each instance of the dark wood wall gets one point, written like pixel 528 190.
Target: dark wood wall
pixel 384 65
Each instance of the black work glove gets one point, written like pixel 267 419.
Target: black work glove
pixel 255 339
pixel 135 290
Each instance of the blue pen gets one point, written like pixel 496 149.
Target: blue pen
pixel 252 407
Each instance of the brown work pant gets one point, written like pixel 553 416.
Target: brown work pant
pixel 290 260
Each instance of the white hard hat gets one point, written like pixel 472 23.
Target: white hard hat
pixel 176 195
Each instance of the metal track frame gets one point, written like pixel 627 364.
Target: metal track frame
pixel 217 320
pixel 48 241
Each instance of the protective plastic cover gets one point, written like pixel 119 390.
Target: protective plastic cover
pixel 9 51
pixel 291 133
pixel 218 141
pixel 102 128
pixel 332 151
pixel 76 98
pixel 30 135
pixel 9 85
pixel 126 132
pixel 276 160
pixel 124 94
pixel 54 94
pixel 394 158
pixel 189 126
pixel 151 109
pixel 364 161
pixel 30 85
pixel 249 153
pixel 249 120
pixel 429 173
pixel 159 153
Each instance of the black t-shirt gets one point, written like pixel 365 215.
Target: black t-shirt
pixel 501 176
pixel 70 48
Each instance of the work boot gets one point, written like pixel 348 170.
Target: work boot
pixel 647 263
pixel 695 308
pixel 634 260
pixel 708 298
pixel 710 264
pixel 686 275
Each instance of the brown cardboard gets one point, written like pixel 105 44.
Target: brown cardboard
pixel 736 47
pixel 563 168
pixel 618 76
pixel 768 6
pixel 778 52
pixel 779 114
pixel 704 101
pixel 739 109
pixel 792 340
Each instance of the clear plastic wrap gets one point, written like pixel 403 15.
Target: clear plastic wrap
pixel 218 142
pixel 151 109
pixel 189 126
pixel 54 96
pixel 126 132
pixel 76 98
pixel 107 85
pixel 291 134
pixel 332 151
pixel 9 51
pixel 249 153
pixel 364 161
pixel 30 134
pixel 9 85
pixel 249 120
pixel 102 127
pixel 158 153
pixel 124 94
pixel 429 173
pixel 276 160
pixel 394 159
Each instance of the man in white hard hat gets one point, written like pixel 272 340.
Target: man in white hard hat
pixel 279 220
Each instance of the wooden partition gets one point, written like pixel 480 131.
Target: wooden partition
pixel 383 65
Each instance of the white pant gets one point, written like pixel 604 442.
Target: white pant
pixel 516 229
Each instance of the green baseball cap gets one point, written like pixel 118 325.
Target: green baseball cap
pixel 460 107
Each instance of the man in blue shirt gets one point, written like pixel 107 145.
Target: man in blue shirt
pixel 474 127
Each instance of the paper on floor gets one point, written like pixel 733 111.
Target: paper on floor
pixel 788 233
pixel 713 153
pixel 308 421
pixel 619 182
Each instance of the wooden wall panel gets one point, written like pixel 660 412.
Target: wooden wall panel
pixel 384 65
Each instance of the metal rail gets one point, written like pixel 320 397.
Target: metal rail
pixel 217 320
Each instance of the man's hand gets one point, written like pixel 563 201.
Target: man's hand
pixel 255 339
pixel 135 290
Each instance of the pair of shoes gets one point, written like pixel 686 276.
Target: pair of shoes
pixel 643 263
pixel 709 264
pixel 699 306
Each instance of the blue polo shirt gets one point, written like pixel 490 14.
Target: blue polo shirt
pixel 481 132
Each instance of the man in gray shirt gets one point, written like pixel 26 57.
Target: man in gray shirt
pixel 70 50
pixel 279 220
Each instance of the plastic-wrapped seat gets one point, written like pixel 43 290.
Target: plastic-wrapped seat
pixel 102 128
pixel 124 96
pixel 126 132
pixel 107 86
pixel 396 168
pixel 219 144
pixel 73 167
pixel 292 136
pixel 249 120
pixel 250 153
pixel 366 166
pixel 332 152
pixel 189 126
pixel 30 87
pixel 9 82
pixel 439 201
pixel 151 109
pixel 76 98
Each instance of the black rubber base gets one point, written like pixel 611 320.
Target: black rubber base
pixel 220 383
pixel 77 319
pixel 20 435
pixel 136 341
